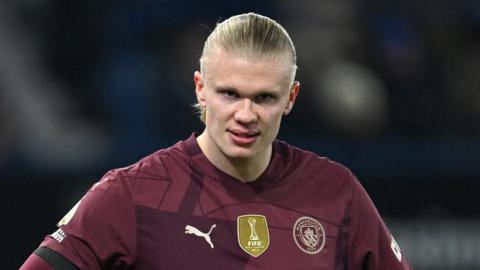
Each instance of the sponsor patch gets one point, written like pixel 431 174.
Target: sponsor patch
pixel 396 249
pixel 252 234
pixel 59 235
pixel 309 235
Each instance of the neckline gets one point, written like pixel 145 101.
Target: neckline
pixel 268 178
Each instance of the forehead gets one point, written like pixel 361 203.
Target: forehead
pixel 223 69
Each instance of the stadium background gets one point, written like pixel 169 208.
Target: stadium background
pixel 389 88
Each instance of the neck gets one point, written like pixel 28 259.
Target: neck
pixel 246 169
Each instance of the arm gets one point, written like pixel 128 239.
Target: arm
pixel 370 244
pixel 46 259
pixel 98 233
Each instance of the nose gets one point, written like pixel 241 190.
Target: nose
pixel 246 114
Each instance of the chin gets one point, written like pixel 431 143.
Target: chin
pixel 239 153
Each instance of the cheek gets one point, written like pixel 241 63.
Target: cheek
pixel 273 117
pixel 217 110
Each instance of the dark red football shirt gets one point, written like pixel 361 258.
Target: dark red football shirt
pixel 175 210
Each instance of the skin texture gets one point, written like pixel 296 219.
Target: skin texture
pixel 245 100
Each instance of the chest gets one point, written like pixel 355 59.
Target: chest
pixel 218 230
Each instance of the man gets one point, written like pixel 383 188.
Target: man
pixel 232 197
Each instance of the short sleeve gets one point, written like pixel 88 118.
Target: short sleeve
pixel 370 245
pixel 100 231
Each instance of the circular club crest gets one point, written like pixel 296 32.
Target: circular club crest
pixel 309 235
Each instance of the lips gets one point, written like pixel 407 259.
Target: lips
pixel 241 137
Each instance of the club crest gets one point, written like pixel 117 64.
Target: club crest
pixel 309 235
pixel 252 233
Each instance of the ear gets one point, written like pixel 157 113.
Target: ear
pixel 292 96
pixel 199 88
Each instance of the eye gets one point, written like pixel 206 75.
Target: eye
pixel 264 98
pixel 228 94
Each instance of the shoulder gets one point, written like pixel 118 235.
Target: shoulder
pixel 155 165
pixel 318 174
pixel 313 163
pixel 332 177
pixel 144 181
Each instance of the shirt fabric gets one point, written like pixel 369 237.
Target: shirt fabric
pixel 175 210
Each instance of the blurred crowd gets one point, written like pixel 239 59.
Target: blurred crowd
pixel 109 81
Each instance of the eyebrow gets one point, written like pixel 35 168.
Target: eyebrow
pixel 227 88
pixel 259 92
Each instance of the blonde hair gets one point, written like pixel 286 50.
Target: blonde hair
pixel 249 35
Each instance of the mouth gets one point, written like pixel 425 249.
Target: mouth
pixel 244 138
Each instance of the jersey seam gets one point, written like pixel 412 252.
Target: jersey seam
pixel 275 205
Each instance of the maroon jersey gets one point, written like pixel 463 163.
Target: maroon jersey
pixel 176 210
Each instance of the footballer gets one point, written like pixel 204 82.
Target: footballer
pixel 233 196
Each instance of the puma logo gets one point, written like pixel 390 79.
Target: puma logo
pixel 192 230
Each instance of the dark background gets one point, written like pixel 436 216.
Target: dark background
pixel 390 89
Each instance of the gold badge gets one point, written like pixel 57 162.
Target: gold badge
pixel 252 233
